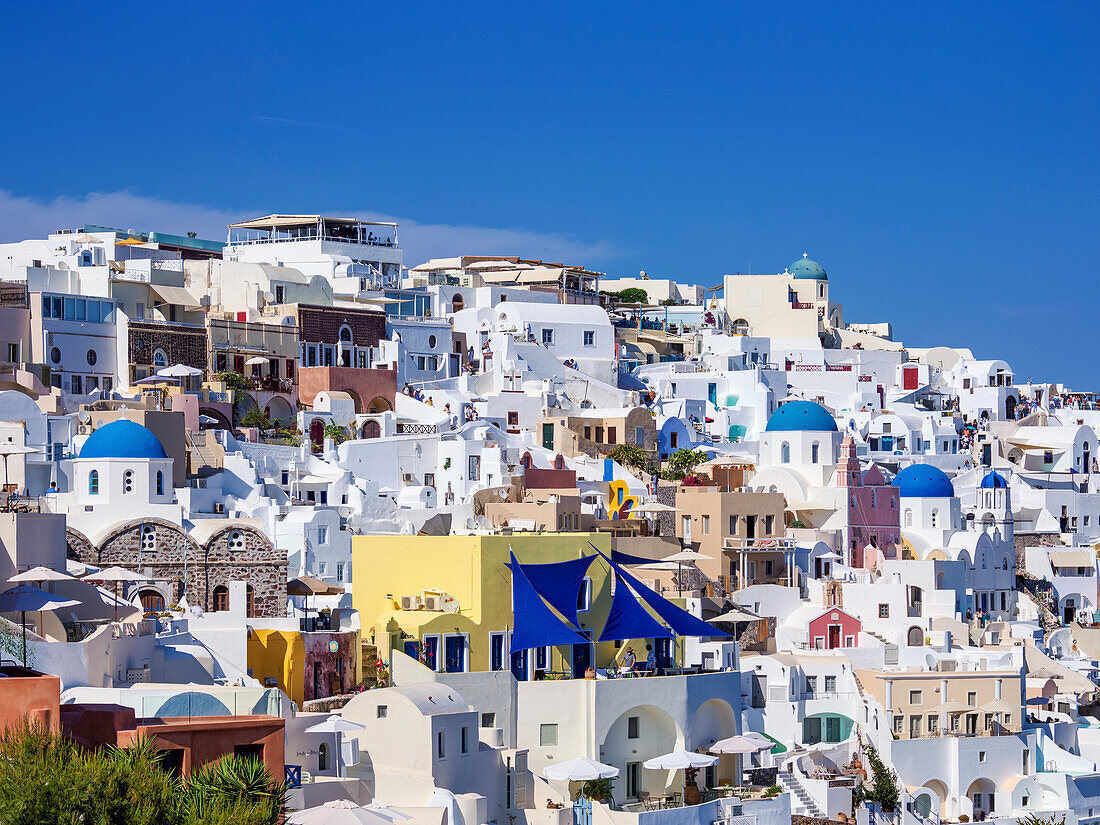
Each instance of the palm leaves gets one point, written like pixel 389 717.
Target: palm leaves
pixel 46 778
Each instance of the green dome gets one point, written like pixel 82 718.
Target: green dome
pixel 805 269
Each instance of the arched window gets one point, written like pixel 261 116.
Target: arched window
pixel 159 358
pixel 128 482
pixel 322 757
pixel 1004 563
pixel 249 602
pixel 815 452
pixel 221 598
pixel 160 482
pixel 785 453
pixel 908 517
pixel 93 483
pixel 935 517
pixel 559 463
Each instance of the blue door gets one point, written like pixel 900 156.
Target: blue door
pixel 454 654
pixel 519 665
pixel 431 653
pixel 412 649
pixel 662 650
pixel 582 660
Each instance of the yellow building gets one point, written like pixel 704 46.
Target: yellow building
pixel 278 655
pixel 447 600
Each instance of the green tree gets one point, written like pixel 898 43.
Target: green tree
pixel 630 456
pixel 882 785
pixel 634 295
pixel 682 462
pixel 256 417
pixel 337 433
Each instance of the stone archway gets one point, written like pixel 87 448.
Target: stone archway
pixel 371 429
pixel 378 404
pixel 279 409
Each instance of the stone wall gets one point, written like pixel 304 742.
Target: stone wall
pixel 321 325
pixel 165 553
pixel 321 670
pixel 1022 541
pixel 181 344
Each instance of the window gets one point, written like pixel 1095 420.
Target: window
pixel 160 359
pixel 488 720
pixel 981 756
pixel 140 313
pixel 1048 457
pixel 128 481
pixel 322 757
pixel 339 571
pixel 221 598
pixel 93 483
pixel 322 535
pixel 91 357
pixel 898 721
pixel 785 453
pixel 972 698
pixel 78 385
pixel 464 746
pixel 160 482
pixel 915 697
pixel 584 596
pixel 496 655
pixel 440 746
pixel 590 338
pixel 548 337
pixel 830 684
pixel 513 418
pixel 815 451
pixel 611 435
pixel 548 736
pixel 884 611
pixel 811 685
pixel 706 525
pixel 13 353
pixel 933 724
pixel 632 725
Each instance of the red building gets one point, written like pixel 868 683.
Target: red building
pixel 834 629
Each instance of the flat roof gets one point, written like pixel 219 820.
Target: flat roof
pixel 286 221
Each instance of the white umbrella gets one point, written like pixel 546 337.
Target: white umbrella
pixel 687 555
pixel 338 812
pixel 831 556
pixel 116 575
pixel 41 574
pixel 255 361
pixel 179 371
pixel 680 760
pixel 655 507
pixel 26 599
pixel 336 724
pixel 390 814
pixel 10 448
pixel 738 744
pixel 735 615
pixel 580 769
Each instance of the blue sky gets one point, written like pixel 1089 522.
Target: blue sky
pixel 940 160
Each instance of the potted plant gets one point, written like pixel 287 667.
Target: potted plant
pixel 692 796
pixel 598 790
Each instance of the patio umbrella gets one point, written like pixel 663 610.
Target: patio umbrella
pixel 735 615
pixel 680 558
pixel 390 814
pixel 337 724
pixel 339 812
pixel 580 769
pixel 41 574
pixel 655 507
pixel 26 599
pixel 116 575
pixel 680 760
pixel 9 448
pixel 179 371
pixel 738 744
pixel 255 361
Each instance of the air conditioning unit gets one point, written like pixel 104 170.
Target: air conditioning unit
pixel 84 429
pixel 219 507
pixel 407 603
pixel 432 603
pixel 407 478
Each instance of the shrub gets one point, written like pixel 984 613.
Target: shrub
pixel 257 418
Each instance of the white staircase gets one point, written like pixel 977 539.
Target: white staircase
pixel 801 802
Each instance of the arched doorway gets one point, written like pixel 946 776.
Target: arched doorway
pixel 915 637
pixel 152 601
pixel 457 303
pixel 278 409
pixel 740 327
pixel 371 429
pixel 317 433
pixel 1010 408
pixel 713 721
pixel 980 798
pixel 378 404
pixel 636 735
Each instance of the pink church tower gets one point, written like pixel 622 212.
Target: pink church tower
pixel 872 512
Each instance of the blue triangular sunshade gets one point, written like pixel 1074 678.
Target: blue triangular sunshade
pixel 535 624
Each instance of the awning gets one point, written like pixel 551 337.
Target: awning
pixel 311 586
pixel 1072 558
pixel 176 295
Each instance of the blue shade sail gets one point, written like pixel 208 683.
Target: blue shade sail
pixel 681 622
pixel 628 619
pixel 625 558
pixel 560 584
pixel 535 624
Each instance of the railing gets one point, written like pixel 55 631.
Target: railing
pixel 411 428
pixel 310 234
pixel 767 545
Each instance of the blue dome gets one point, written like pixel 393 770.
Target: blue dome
pixel 801 415
pixel 122 439
pixel 994 481
pixel 923 481
pixel 805 269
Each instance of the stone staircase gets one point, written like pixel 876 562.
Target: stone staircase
pixel 802 802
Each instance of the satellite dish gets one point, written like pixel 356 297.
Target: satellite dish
pixel 83 416
pixel 268 297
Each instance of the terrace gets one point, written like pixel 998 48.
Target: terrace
pixel 289 228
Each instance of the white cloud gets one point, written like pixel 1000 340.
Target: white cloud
pixel 24 217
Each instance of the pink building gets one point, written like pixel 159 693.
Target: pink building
pixel 834 629
pixel 873 515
